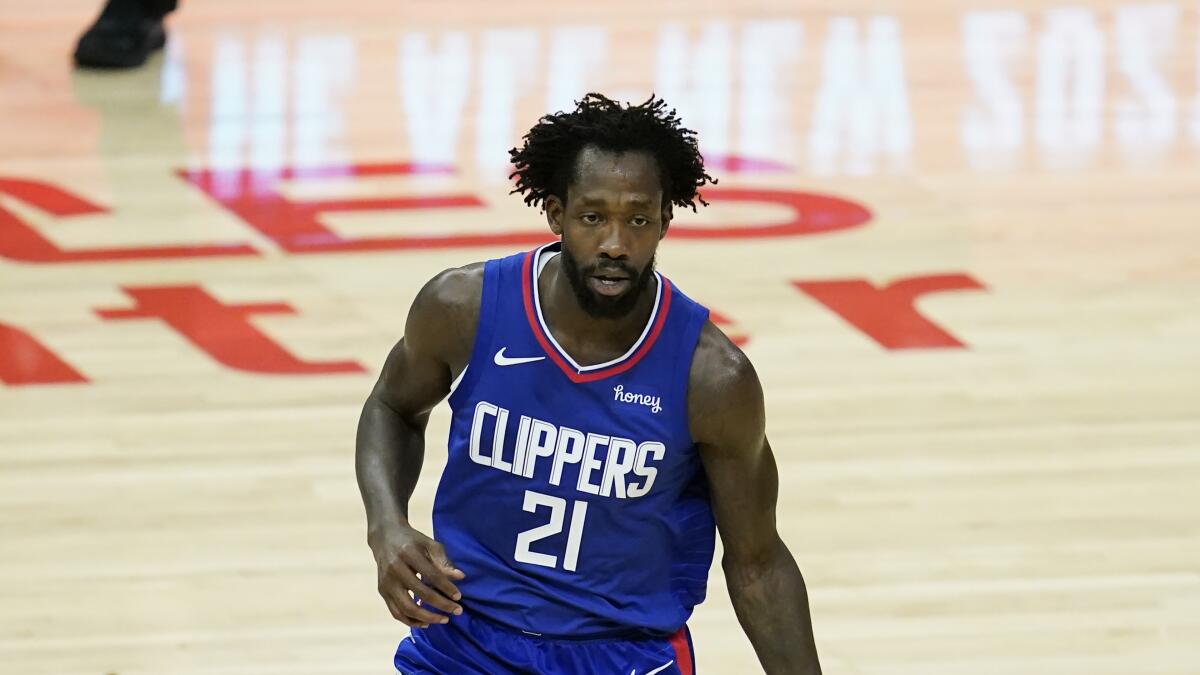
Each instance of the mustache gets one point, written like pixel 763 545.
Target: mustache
pixel 609 268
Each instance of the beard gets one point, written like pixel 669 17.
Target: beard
pixel 604 306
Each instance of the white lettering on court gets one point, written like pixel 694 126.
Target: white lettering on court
pixel 862 100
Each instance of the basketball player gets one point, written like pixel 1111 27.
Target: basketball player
pixel 601 426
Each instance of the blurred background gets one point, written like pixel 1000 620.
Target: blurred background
pixel 960 241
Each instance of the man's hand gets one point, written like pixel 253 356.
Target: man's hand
pixel 411 564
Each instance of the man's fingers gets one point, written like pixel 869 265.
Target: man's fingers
pixel 432 596
pixel 434 572
pixel 394 586
pixel 425 560
pixel 430 576
pixel 438 553
pixel 410 582
pixel 400 615
pixel 415 612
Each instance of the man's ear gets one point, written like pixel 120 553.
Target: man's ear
pixel 554 214
pixel 667 214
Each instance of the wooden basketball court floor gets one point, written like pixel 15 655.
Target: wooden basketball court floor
pixel 961 242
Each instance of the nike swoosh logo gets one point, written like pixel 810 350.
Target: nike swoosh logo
pixel 656 670
pixel 502 360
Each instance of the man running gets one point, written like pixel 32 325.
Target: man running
pixel 601 426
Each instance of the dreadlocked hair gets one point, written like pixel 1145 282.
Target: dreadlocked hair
pixel 545 164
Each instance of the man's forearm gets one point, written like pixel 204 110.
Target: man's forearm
pixel 387 461
pixel 771 602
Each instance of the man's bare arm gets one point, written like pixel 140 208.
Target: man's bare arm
pixel 728 422
pixel 390 446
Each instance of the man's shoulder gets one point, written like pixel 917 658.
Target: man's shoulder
pixel 455 291
pixel 722 384
pixel 445 313
pixel 717 362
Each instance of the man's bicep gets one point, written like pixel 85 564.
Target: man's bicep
pixel 411 382
pixel 416 374
pixel 743 485
pixel 730 429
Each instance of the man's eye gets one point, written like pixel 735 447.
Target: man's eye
pixel 639 221
pixel 590 218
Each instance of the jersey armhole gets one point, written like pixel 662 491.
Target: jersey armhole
pixel 484 326
pixel 683 365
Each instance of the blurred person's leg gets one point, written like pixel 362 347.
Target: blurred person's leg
pixel 125 33
pixel 139 143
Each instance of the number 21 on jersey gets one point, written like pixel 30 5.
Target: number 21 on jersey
pixel 558 508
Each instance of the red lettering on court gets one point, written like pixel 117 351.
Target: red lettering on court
pixel 728 327
pixel 811 214
pixel 223 331
pixel 24 361
pixel 296 226
pixel 22 242
pixel 888 314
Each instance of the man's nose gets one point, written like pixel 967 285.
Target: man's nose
pixel 614 243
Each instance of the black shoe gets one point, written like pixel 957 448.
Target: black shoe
pixel 123 37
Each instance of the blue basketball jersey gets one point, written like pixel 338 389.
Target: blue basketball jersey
pixel 573 497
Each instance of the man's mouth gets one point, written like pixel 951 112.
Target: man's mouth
pixel 609 284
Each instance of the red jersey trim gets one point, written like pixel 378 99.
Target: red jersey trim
pixel 683 651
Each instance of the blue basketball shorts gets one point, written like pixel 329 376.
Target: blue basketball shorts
pixel 470 644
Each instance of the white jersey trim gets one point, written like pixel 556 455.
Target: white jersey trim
pixel 458 380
